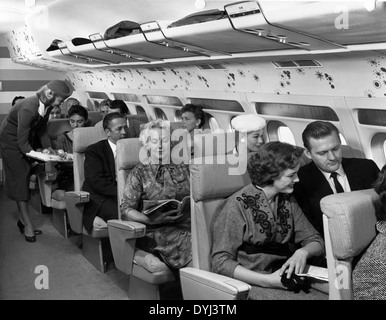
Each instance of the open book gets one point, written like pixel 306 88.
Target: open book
pixel 150 206
pixel 315 272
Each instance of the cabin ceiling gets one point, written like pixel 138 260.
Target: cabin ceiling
pixel 14 12
pixel 250 29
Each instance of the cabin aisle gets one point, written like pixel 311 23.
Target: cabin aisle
pixel 71 276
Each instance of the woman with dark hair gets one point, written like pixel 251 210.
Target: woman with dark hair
pixel 193 119
pixel 192 116
pixel 261 234
pixel 78 117
pixel 369 275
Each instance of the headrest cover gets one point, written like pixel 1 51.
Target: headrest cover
pixel 60 88
pixel 248 122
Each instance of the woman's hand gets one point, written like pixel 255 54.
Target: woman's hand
pixel 295 264
pixel 158 216
pixel 49 150
pixel 61 153
pixel 274 280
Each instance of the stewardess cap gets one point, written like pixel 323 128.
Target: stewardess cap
pixel 248 122
pixel 60 88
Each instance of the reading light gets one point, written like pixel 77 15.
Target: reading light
pixel 370 5
pixel 29 3
pixel 200 4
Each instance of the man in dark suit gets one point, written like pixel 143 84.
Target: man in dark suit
pixel 99 171
pixel 328 172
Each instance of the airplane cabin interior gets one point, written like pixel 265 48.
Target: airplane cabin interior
pixel 291 62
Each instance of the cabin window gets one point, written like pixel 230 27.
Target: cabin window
pixel 140 110
pixel 372 117
pixel 285 135
pixel 163 100
pixel 214 104
pixel 342 140
pixel 159 114
pixel 177 115
pixel 129 97
pixel 278 131
pixel 378 148
pixel 230 123
pixel 296 111
pixel 210 123
pixel 92 105
pixel 97 95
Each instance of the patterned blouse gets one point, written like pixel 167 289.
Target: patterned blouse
pixel 156 182
pixel 369 275
pixel 247 232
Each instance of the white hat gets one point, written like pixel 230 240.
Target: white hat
pixel 248 122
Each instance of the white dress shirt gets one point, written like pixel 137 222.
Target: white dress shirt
pixel 342 178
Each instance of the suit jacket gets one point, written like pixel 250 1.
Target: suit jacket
pixel 100 179
pixel 24 126
pixel 313 186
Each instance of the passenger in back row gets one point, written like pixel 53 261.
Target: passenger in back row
pixel 328 172
pixel 251 125
pixel 78 117
pixel 69 103
pixel 155 178
pixel 121 107
pixel 193 119
pixel 99 172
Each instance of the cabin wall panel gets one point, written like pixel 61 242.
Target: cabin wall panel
pixel 19 80
pixel 357 76
pixel 368 132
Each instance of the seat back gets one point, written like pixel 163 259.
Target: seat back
pixel 83 137
pixel 211 144
pixel 93 118
pixel 211 183
pixel 140 117
pixel 349 226
pixel 128 151
pixel 56 127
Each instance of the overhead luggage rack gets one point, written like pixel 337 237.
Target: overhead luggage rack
pixel 154 34
pixel 64 53
pixel 248 17
pixel 139 47
pixel 91 50
pixel 220 36
pixel 344 22
pixel 117 54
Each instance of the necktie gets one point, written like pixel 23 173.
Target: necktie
pixel 338 186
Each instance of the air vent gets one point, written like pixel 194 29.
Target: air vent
pixel 296 64
pixel 210 67
pixel 155 69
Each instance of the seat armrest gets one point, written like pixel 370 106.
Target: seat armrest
pixel 47 184
pixel 204 285
pixel 75 201
pixel 132 229
pixel 123 235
